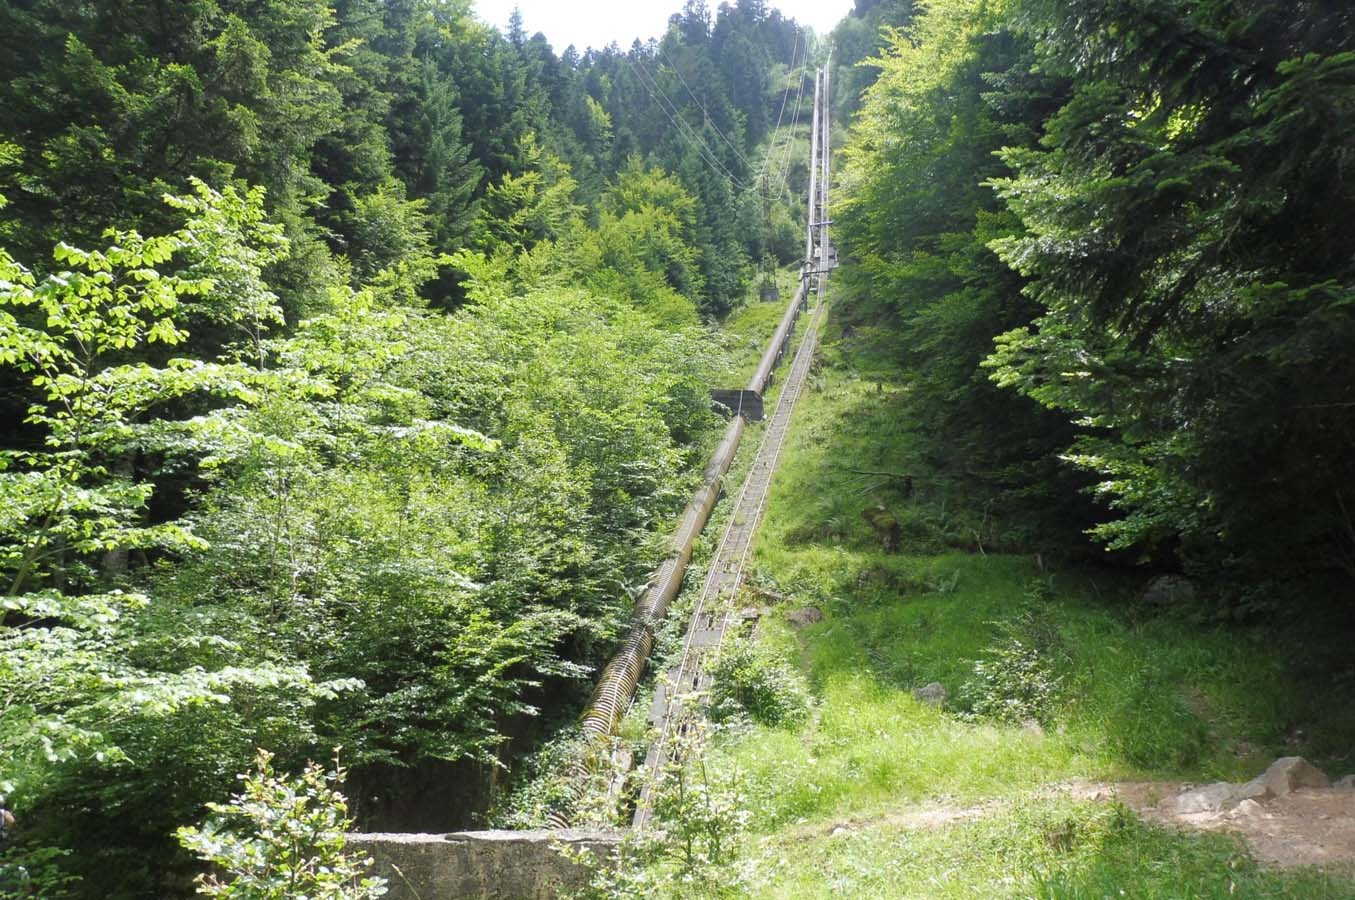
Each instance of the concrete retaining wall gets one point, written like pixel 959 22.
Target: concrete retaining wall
pixel 480 865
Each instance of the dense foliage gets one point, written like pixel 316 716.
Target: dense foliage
pixel 381 130
pixel 282 838
pixel 356 353
pixel 356 359
pixel 1142 204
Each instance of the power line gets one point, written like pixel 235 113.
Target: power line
pixel 657 94
pixel 704 112
pixel 703 149
pixel 790 137
pixel 776 132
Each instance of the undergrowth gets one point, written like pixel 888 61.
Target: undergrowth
pixel 1053 671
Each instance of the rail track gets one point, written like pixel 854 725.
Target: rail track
pixel 715 606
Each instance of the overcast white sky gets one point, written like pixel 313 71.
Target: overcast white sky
pixel 596 23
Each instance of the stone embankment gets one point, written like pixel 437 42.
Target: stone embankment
pixel 486 865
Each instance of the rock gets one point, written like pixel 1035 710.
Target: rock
pixel 1290 773
pixel 1168 590
pixel 934 694
pixel 1211 798
pixel 1345 783
pixel 1249 809
pixel 799 618
pixel 1256 789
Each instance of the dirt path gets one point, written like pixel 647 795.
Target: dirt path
pixel 1309 827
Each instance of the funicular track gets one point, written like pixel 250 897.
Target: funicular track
pixel 716 606
pixel 713 611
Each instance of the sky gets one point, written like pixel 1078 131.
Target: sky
pixel 596 23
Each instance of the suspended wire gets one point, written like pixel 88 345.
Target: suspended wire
pixel 785 151
pixel 799 110
pixel 657 94
pixel 776 132
pixel 784 178
pixel 706 114
pixel 708 156
pixel 761 177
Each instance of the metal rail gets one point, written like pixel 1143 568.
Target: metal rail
pixel 715 605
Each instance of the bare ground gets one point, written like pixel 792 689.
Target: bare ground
pixel 1310 827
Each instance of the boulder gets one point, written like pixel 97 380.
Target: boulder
pixel 799 618
pixel 1211 798
pixel 1288 774
pixel 934 694
pixel 1256 789
pixel 1168 590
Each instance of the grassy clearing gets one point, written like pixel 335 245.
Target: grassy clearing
pixel 1098 686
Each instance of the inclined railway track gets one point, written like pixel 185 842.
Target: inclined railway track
pixel 717 604
pixel 712 614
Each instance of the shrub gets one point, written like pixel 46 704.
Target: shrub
pixel 281 839
pixel 692 846
pixel 750 680
pixel 1016 681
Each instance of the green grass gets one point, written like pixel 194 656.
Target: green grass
pixel 1133 694
pixel 746 330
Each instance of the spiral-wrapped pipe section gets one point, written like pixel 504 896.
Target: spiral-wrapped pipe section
pixel 619 679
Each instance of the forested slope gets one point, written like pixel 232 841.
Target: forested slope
pixel 355 355
pixel 1130 214
pixel 1059 546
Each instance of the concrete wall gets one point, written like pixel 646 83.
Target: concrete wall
pixel 480 865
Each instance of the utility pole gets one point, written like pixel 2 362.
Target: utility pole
pixel 812 211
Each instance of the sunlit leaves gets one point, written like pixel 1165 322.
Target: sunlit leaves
pixel 1184 237
pixel 282 838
